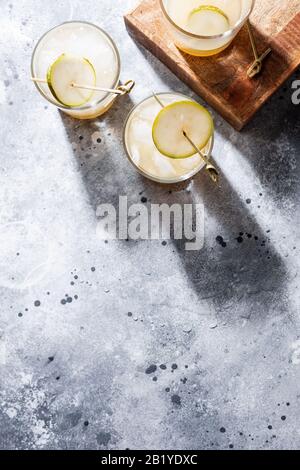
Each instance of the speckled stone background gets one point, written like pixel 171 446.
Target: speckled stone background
pixel 152 346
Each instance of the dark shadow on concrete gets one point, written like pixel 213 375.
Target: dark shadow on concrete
pixel 96 145
pixel 247 276
pixel 271 144
pixel 240 280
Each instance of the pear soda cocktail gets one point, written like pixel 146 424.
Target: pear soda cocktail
pixel 81 53
pixel 205 27
pixel 154 140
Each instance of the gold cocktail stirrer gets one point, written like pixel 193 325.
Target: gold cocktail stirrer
pixel 256 66
pixel 121 90
pixel 210 168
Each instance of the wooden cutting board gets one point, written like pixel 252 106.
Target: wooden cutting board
pixel 222 80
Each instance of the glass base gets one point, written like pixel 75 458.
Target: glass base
pixel 89 114
pixel 207 53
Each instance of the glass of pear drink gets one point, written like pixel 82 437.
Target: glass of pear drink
pixel 69 65
pixel 205 27
pixel 154 137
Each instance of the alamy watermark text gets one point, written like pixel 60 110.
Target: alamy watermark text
pixel 152 222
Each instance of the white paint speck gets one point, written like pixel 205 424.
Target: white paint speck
pixel 25 379
pixel 95 136
pixel 2 92
pixel 2 349
pixel 40 433
pixel 296 353
pixel 11 413
pixel 187 328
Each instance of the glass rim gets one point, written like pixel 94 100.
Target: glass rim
pixel 227 33
pixel 148 175
pixel 96 103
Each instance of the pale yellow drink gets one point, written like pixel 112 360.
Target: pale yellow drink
pixel 142 151
pixel 87 41
pixel 205 41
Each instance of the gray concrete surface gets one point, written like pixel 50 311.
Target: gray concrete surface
pixel 224 322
